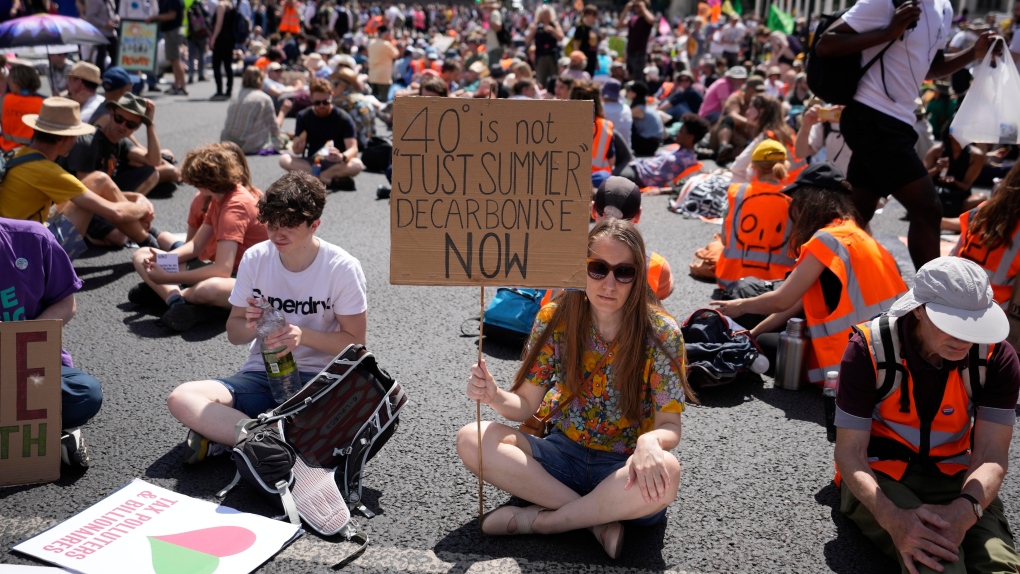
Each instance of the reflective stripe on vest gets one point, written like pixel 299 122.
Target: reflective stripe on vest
pixel 829 333
pixel 600 147
pixel 767 265
pixel 996 262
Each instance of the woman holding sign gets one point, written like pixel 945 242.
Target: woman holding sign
pixel 609 362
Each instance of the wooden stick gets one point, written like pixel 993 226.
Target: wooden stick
pixel 478 408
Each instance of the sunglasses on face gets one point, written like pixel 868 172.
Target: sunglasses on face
pixel 122 120
pixel 599 270
pixel 320 102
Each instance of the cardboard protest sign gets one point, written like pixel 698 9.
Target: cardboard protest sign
pixel 30 405
pixel 490 192
pixel 138 42
pixel 143 528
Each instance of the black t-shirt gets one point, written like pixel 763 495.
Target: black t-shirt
pixel 336 126
pixel 94 152
pixel 545 42
pixel 586 39
pixel 167 6
pixel 639 30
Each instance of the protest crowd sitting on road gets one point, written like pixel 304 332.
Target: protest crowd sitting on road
pixel 710 114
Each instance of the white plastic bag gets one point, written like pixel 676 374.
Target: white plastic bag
pixel 991 111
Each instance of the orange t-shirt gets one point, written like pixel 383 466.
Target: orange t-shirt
pixel 235 218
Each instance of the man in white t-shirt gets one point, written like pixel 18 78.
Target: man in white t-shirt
pixel 319 287
pixel 493 47
pixel 878 124
pixel 731 36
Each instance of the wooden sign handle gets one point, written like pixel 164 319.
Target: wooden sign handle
pixel 478 408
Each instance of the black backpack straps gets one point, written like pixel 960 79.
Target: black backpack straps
pixel 977 365
pixel 23 159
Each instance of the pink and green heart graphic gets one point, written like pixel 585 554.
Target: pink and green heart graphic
pixel 198 551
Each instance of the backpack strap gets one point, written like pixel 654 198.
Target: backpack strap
pixel 890 374
pixel 353 534
pixel 289 506
pixel 976 371
pixel 23 159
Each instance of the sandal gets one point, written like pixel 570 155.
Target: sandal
pixel 611 538
pixel 498 521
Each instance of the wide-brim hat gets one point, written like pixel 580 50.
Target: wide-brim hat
pixel 346 75
pixel 86 71
pixel 60 117
pixel 133 104
pixel 958 299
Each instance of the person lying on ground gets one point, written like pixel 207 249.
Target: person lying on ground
pixel 673 162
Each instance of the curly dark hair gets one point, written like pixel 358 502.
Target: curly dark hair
pixel 295 198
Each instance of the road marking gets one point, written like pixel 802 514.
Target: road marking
pixel 315 551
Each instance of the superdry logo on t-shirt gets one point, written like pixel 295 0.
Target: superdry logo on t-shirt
pixel 307 307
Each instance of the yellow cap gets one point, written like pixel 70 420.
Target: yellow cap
pixel 769 150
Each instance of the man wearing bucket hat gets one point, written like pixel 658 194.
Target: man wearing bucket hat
pixel 916 474
pixel 82 82
pixel 110 150
pixel 33 187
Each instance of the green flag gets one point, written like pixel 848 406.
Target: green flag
pixel 779 20
pixel 738 6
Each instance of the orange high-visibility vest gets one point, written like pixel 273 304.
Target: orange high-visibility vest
pixel 896 425
pixel 289 21
pixel 1000 264
pixel 797 164
pixel 656 265
pixel 665 90
pixel 372 27
pixel 600 146
pixel 756 234
pixel 871 283
pixel 15 132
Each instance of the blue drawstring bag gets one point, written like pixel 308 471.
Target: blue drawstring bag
pixel 510 315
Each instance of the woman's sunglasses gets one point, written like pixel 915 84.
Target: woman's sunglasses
pixel 599 270
pixel 122 120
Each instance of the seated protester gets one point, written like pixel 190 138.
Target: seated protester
pixel 562 86
pixel 648 127
pixel 616 111
pixel 31 189
pixel 684 98
pixel 37 276
pixel 671 164
pixel 450 73
pixel 620 198
pixel 627 415
pixel 916 473
pixel 816 135
pixel 315 127
pixel 720 90
pixel 524 89
pixel 116 83
pixel 756 231
pixel 108 149
pixel 276 89
pixel 842 276
pixel 432 87
pixel 22 99
pixel 774 86
pixel 954 169
pixel 766 121
pixel 990 237
pixel 83 81
pixel 293 266
pixel 800 93
pixel 731 134
pixel 349 97
pixel 603 150
pixel 231 224
pixel 252 121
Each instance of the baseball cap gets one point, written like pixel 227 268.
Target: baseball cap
pixel 737 73
pixel 611 90
pixel 618 197
pixel 755 84
pixel 958 299
pixel 822 175
pixel 769 150
pixel 115 78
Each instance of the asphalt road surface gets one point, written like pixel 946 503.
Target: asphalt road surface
pixel 756 491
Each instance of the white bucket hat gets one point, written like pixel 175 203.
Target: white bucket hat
pixel 958 298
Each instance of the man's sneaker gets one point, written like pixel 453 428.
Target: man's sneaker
pixel 201 448
pixel 343 183
pixel 73 451
pixel 383 191
pixel 177 92
pixel 219 98
pixel 184 316
pixel 144 296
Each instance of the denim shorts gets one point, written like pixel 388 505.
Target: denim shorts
pixel 581 468
pixel 251 393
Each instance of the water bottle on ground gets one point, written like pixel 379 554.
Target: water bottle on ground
pixel 829 398
pixel 282 372
pixel 790 358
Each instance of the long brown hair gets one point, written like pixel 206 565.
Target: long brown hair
pixel 995 221
pixel 772 119
pixel 813 208
pixel 573 314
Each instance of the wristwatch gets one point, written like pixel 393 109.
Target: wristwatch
pixel 978 511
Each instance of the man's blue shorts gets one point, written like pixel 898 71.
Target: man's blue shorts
pixel 251 392
pixel 581 468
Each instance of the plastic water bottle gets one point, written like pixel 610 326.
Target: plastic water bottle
pixel 316 167
pixel 829 399
pixel 282 372
pixel 790 358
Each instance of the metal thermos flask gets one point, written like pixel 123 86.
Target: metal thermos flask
pixel 790 358
pixel 829 400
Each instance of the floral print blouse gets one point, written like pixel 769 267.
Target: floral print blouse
pixel 593 418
